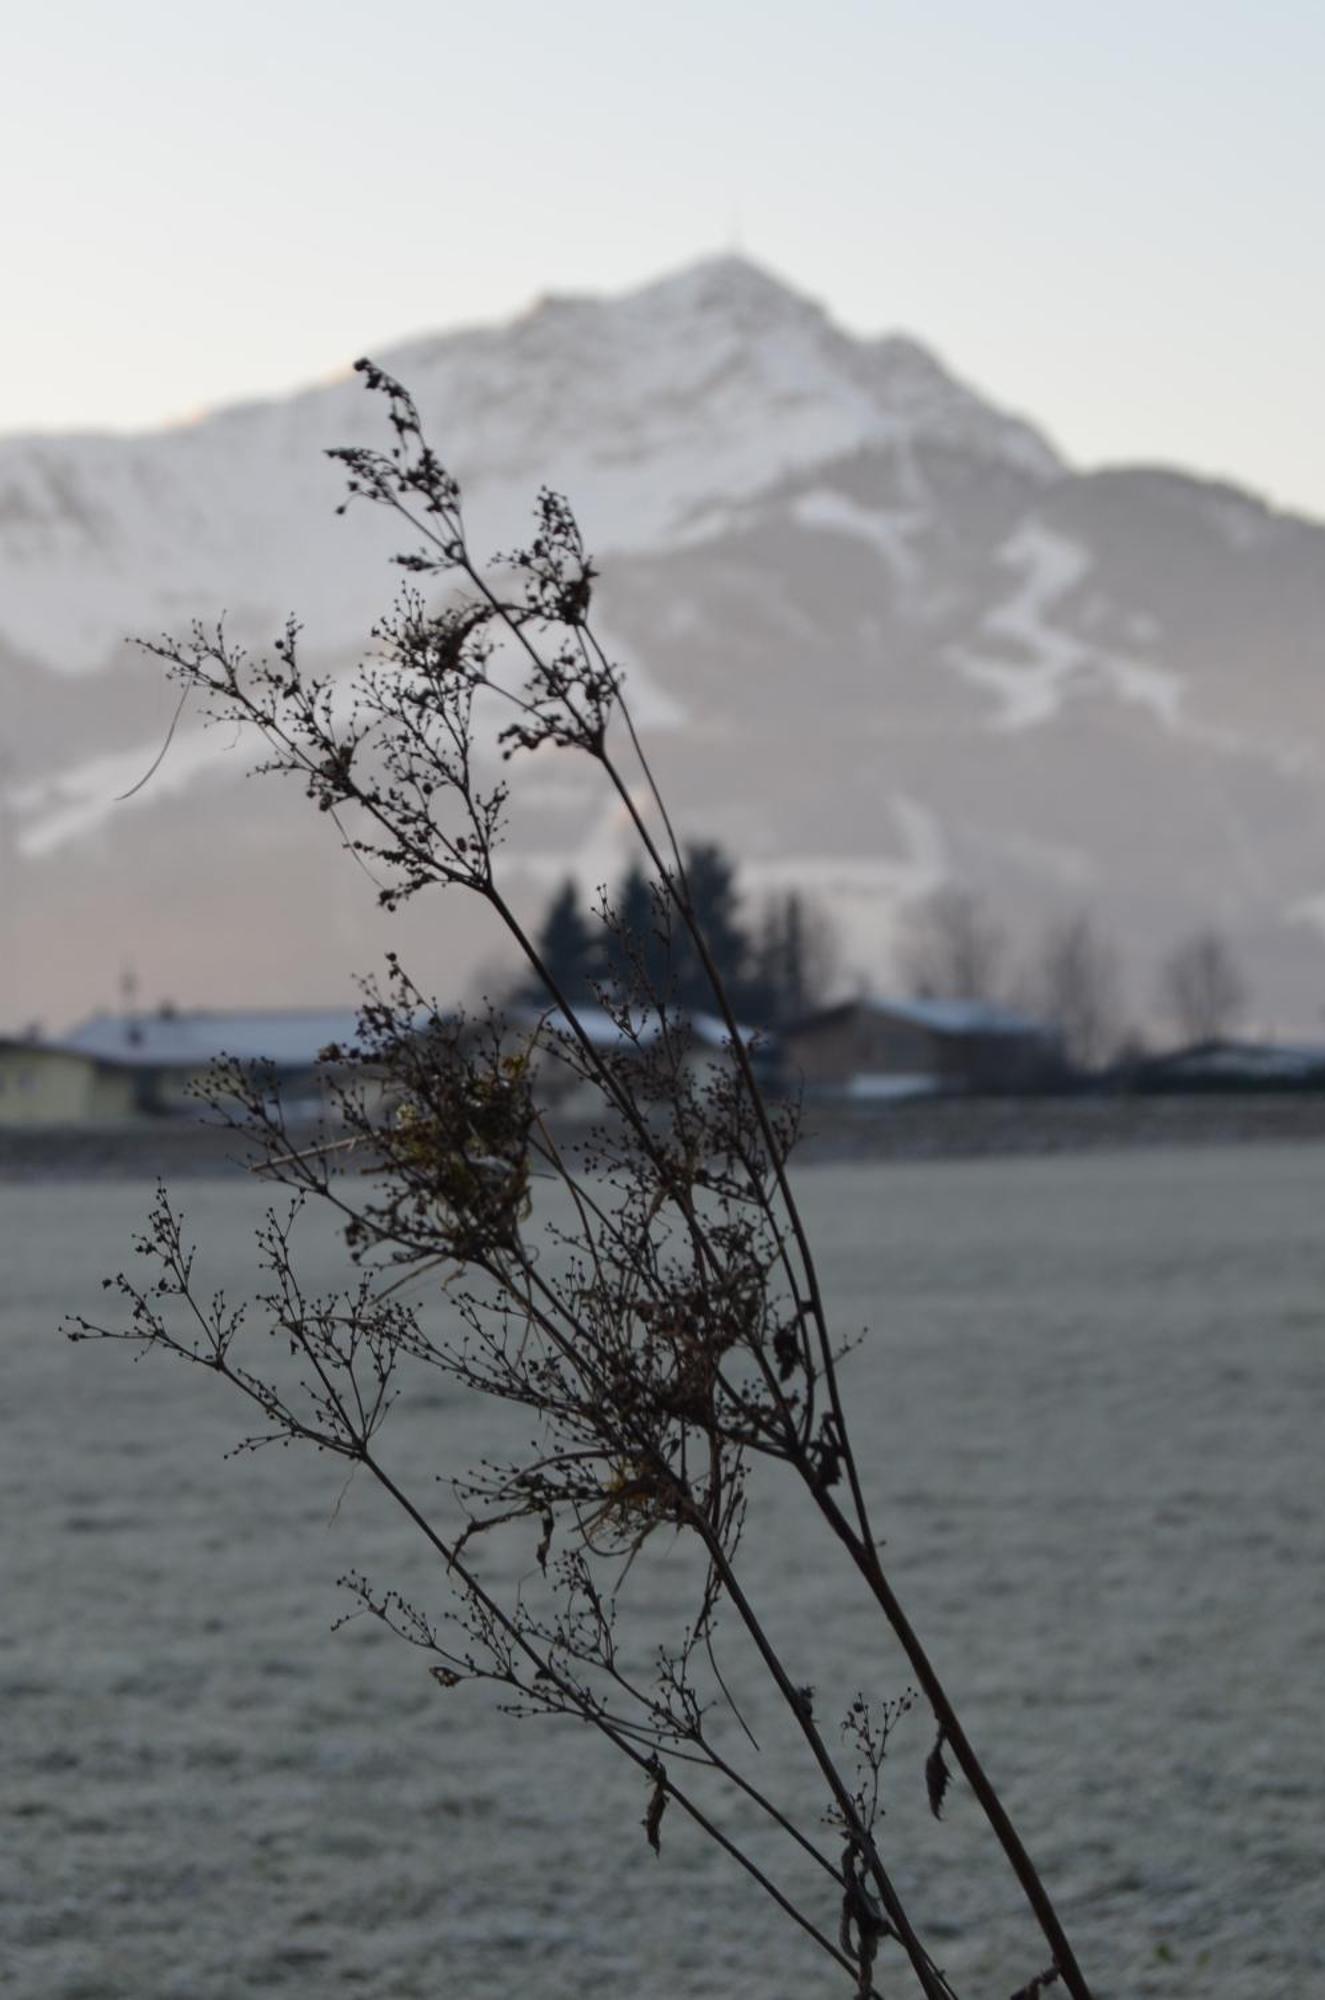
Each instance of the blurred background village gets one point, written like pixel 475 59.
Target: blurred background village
pixel 968 1025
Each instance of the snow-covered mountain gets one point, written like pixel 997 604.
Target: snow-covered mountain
pixel 882 634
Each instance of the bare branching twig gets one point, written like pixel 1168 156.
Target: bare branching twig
pixel 667 1339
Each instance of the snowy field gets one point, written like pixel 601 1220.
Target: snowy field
pixel 1090 1413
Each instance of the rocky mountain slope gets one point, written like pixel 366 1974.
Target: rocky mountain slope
pixel 882 636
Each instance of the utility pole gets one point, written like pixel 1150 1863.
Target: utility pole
pixel 133 1033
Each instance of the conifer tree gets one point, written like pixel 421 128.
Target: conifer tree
pixel 711 875
pixel 640 948
pixel 566 943
pixel 782 965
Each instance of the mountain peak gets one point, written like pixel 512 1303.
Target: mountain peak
pixel 726 281
pixel 655 409
pixel 722 354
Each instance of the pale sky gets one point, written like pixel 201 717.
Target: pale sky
pixel 1108 216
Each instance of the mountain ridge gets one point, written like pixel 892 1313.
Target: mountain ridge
pixel 948 652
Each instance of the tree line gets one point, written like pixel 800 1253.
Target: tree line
pixel 775 965
pixel 953 946
pixel 779 962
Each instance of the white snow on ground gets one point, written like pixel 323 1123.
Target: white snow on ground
pixel 1031 690
pixel 1116 1547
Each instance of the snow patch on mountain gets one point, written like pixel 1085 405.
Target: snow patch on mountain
pixel 1031 690
pixel 1056 660
pixel 1066 869
pixel 889 533
pixel 75 803
pixel 651 706
pixel 1148 686
pixel 870 895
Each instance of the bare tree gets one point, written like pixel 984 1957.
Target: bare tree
pixel 1203 987
pixel 1075 985
pixel 661 1322
pixel 951 949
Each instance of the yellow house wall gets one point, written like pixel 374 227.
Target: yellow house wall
pixel 55 1087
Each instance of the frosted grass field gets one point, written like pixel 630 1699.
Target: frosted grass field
pixel 1091 1416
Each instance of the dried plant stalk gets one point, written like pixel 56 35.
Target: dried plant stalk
pixel 677 1337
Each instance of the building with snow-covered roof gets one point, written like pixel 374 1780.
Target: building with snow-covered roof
pixel 637 1029
pixel 1228 1066
pixel 45 1084
pixel 289 1037
pixel 882 1049
pixel 701 1041
pixel 168 1053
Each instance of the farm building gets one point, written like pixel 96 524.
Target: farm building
pixel 1225 1066
pixel 172 1051
pixel 870 1048
pixel 46 1084
pixel 701 1038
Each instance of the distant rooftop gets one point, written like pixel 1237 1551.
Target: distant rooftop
pixel 963 1017
pixel 941 1017
pixel 290 1037
pixel 1267 1062
pixel 604 1033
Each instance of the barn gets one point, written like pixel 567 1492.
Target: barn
pixel 897 1048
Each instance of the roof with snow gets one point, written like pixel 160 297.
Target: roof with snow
pixel 962 1017
pixel 289 1037
pixel 1260 1062
pixel 605 1032
pixel 940 1017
